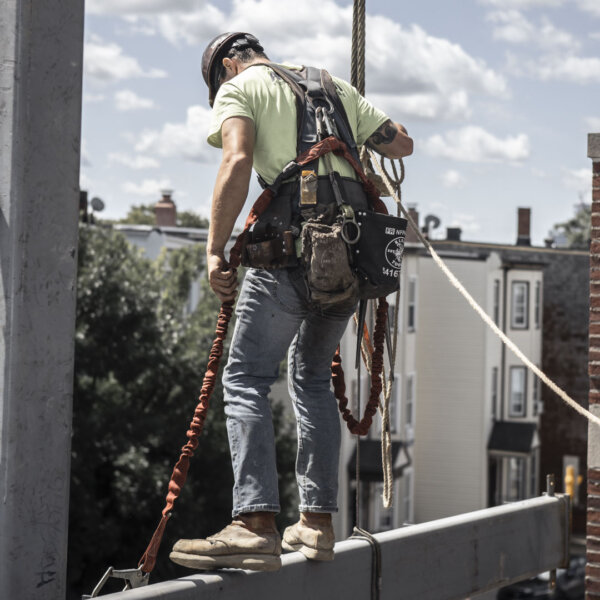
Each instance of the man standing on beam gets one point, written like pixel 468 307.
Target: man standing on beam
pixel 260 120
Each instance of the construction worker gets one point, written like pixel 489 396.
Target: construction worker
pixel 254 121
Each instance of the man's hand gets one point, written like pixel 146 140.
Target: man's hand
pixel 222 278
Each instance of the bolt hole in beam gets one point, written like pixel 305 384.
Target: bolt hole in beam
pixel 447 559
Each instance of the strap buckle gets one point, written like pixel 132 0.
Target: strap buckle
pixel 134 578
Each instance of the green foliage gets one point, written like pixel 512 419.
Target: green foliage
pixel 142 214
pixel 577 229
pixel 187 218
pixel 139 363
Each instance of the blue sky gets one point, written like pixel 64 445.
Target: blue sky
pixel 499 96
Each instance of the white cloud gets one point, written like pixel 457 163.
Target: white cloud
pixel 85 183
pixel 148 187
pixel 579 180
pixel 185 140
pixel 105 62
pixel 590 6
pixel 475 144
pixel 574 69
pixel 524 4
pixel 467 223
pixel 513 27
pixel 127 7
pixel 453 179
pixel 128 100
pixel 134 162
pixel 593 124
pixel 420 75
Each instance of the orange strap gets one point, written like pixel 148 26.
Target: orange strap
pixel 339 385
pixel 179 475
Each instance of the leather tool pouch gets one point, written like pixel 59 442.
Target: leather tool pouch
pixel 377 256
pixel 326 260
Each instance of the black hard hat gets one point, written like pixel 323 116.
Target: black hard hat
pixel 217 50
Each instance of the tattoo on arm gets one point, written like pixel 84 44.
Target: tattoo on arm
pixel 384 135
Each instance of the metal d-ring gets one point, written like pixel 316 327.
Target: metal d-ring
pixel 345 236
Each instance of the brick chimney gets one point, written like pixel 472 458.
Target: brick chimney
pixel 165 210
pixel 524 227
pixel 411 236
pixel 453 234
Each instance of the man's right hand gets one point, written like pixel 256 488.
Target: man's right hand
pixel 222 278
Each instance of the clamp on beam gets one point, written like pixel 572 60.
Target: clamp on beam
pixel 134 578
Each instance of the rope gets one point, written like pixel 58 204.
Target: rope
pixel 357 73
pixel 477 308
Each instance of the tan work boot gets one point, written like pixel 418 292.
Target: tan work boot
pixel 313 538
pixel 235 546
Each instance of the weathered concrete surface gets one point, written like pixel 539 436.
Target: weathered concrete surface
pixel 594 146
pixel 41 49
pixel 448 559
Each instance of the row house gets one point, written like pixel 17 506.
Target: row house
pixel 465 412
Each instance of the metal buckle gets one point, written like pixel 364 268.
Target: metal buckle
pixel 134 578
pixel 349 218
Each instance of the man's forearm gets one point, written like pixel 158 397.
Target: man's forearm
pixel 229 196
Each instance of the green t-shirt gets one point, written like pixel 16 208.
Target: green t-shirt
pixel 259 94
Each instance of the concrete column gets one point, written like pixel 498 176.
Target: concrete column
pixel 593 499
pixel 41 49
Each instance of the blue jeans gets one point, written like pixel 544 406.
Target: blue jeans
pixel 273 315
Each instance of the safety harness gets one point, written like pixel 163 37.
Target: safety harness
pixel 344 239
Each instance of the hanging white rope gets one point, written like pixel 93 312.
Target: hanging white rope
pixel 477 308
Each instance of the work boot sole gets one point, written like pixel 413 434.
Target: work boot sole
pixel 312 553
pixel 251 562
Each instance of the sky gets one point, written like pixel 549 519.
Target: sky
pixel 498 95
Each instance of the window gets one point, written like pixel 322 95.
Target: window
pixel 410 404
pixel 518 390
pixel 533 481
pixel 497 301
pixel 538 306
pixel 494 392
pixel 515 480
pixel 383 517
pixel 520 305
pixel 411 320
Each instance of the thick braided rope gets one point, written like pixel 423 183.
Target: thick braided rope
pixel 475 306
pixel 357 73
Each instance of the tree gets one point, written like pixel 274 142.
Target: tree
pixel 142 214
pixel 577 229
pixel 139 363
pixel 188 218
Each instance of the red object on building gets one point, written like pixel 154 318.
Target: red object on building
pixel 165 210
